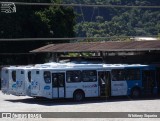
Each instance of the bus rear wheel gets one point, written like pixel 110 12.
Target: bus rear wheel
pixel 78 95
pixel 135 93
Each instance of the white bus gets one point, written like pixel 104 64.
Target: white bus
pixel 66 81
pixel 23 81
pixel 70 80
pixel 16 80
pixel 91 80
pixel 8 75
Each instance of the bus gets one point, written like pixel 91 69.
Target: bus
pixel 78 81
pixel 16 80
pixel 23 81
pixel 8 78
pixel 53 82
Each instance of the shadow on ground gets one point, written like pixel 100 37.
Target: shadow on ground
pixel 51 102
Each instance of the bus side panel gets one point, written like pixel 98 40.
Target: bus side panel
pixel 118 88
pixel 12 83
pixel 36 83
pixel 5 81
pixel 132 83
pixel 71 87
pixel 91 89
pixel 20 81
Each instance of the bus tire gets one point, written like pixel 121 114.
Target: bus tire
pixel 78 95
pixel 135 93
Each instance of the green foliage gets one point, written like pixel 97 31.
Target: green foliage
pixel 34 22
pixel 56 21
pixel 59 20
pixel 122 21
pixel 79 55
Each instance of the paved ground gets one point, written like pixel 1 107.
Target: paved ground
pixel 10 103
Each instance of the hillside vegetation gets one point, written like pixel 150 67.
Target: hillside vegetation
pixel 65 22
pixel 109 22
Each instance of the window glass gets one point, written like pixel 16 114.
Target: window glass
pixel 22 72
pixel 14 76
pixel 132 74
pixel 61 79
pixel 73 76
pixel 118 75
pixel 102 77
pixel 58 79
pixel 47 77
pixel 89 75
pixel 37 72
pixel 54 80
pixel 6 71
pixel 29 76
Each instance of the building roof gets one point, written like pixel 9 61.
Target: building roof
pixel 110 46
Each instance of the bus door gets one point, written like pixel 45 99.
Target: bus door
pixel 104 79
pixel 58 85
pixel 148 81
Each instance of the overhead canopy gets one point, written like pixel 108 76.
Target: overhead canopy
pixel 110 46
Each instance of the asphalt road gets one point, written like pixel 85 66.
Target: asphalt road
pixel 10 103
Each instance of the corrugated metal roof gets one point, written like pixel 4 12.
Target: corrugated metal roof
pixel 110 46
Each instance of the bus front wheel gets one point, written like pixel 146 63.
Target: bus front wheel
pixel 78 95
pixel 135 93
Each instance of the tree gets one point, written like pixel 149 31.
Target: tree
pixel 35 22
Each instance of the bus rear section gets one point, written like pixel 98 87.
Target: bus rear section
pixel 9 80
pixel 36 83
pixel 45 87
pixel 41 80
pixel 5 80
pixel 23 81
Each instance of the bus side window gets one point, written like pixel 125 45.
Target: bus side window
pixel 73 76
pixel 118 75
pixel 29 76
pixel 14 76
pixel 89 75
pixel 22 72
pixel 47 77
pixel 6 71
pixel 37 72
pixel 132 74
